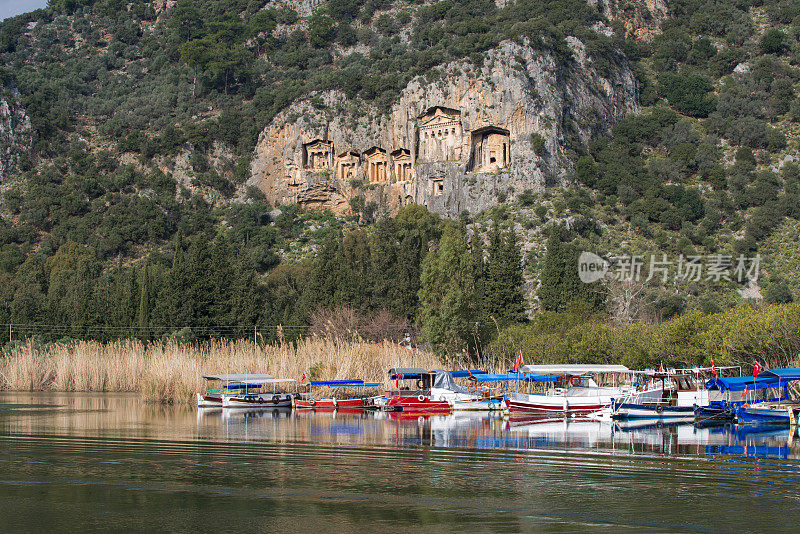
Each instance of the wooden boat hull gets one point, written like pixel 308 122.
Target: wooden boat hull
pixel 209 401
pixel 749 415
pixel 543 404
pixel 420 404
pixel 479 405
pixel 330 404
pixel 628 410
pixel 261 400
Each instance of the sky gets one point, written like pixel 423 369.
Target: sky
pixel 9 8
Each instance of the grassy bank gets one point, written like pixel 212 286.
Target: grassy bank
pixel 738 336
pixel 171 372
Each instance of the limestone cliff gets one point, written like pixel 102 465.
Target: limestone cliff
pixel 642 18
pixel 457 143
pixel 15 135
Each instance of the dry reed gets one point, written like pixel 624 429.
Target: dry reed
pixel 171 372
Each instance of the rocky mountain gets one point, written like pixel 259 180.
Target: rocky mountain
pixel 16 136
pixel 455 144
pixel 292 132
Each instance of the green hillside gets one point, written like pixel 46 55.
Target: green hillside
pixel 105 233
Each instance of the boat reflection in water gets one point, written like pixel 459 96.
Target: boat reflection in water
pixel 482 430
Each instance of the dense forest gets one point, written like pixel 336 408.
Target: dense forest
pixel 99 238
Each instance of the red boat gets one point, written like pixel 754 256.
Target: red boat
pixel 421 404
pixel 417 401
pixel 331 403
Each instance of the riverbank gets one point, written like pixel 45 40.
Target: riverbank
pixel 171 372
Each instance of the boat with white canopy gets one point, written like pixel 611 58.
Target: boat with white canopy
pixel 250 392
pixel 231 384
pixel 574 389
pixel 671 393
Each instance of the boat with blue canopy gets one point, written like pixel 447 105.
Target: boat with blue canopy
pixel 726 395
pixel 776 410
pixel 260 398
pixel 333 403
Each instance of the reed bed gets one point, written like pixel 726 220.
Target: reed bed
pixel 171 372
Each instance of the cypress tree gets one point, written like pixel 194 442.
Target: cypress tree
pixel 513 297
pixel 551 295
pixel 143 313
pixel 447 299
pixel 560 283
pixel 503 300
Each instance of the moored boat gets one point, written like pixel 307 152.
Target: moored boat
pixel 478 396
pixel 258 400
pixel 667 395
pixel 727 395
pixel 574 390
pixel 333 403
pixel 274 399
pixel 418 400
pixel 232 384
pixel 779 415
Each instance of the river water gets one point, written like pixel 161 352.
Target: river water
pixel 100 462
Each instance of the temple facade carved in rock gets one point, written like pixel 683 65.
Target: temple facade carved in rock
pixel 490 149
pixel 438 135
pixel 318 155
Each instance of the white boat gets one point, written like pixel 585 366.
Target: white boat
pixel 668 395
pixel 231 384
pixel 575 390
pixel 274 399
pixel 258 400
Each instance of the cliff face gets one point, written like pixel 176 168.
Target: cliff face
pixel 457 143
pixel 15 135
pixel 642 18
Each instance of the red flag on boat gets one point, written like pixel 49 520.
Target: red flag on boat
pixel 661 369
pixel 756 369
pixel 518 362
pixel 303 378
pixel 744 393
pixel 713 368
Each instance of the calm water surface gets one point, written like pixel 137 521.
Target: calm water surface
pixel 73 462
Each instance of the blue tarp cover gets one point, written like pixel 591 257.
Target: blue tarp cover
pixel 516 376
pixel 464 374
pixel 738 383
pixel 416 376
pixel 783 374
pixel 242 386
pixel 344 383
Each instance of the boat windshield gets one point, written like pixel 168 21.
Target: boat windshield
pixel 685 383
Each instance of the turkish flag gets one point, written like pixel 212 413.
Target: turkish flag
pixel 518 362
pixel 756 369
pixel 713 369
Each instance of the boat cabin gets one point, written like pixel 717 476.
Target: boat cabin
pixel 676 389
